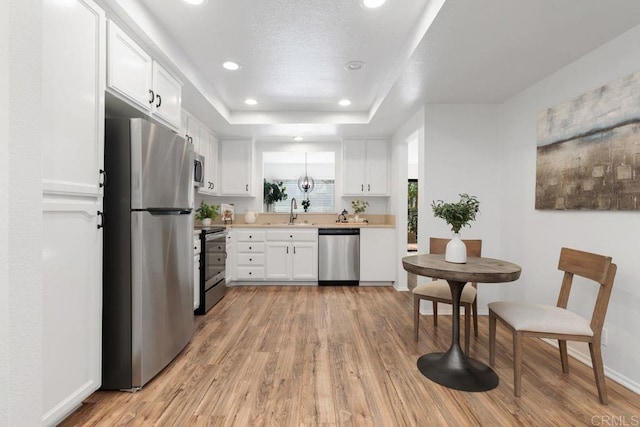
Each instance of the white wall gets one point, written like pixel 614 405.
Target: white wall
pixel 21 223
pixel 461 156
pixel 534 238
pixel 412 128
pixel 4 213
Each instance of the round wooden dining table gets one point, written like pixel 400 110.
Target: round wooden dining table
pixel 452 368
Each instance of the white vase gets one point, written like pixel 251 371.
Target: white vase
pixel 356 218
pixel 456 250
pixel 250 217
pixel 206 222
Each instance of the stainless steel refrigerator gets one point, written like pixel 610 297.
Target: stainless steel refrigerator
pixel 148 253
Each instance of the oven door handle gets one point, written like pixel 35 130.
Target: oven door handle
pixel 215 236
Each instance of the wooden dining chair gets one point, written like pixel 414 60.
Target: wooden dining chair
pixel 556 322
pixel 438 291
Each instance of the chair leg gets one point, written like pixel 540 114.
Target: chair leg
pixel 435 314
pixel 416 316
pixel 598 371
pixel 517 362
pixel 475 316
pixel 492 338
pixel 564 358
pixel 467 328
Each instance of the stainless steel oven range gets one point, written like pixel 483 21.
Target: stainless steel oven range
pixel 213 258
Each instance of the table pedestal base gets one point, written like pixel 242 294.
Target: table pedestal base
pixel 453 370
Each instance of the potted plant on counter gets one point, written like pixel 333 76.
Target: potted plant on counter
pixel 207 213
pixel 273 192
pixel 359 206
pixel 306 203
pixel 457 215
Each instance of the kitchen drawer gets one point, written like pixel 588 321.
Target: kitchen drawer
pixel 215 258
pixel 251 247
pixel 250 235
pixel 250 273
pixel 292 235
pixel 250 259
pixel 217 246
pixel 196 245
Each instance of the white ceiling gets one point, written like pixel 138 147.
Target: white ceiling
pixel 293 53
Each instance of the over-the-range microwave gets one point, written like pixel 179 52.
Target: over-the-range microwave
pixel 198 171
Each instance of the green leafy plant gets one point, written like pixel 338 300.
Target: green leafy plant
pixel 459 214
pixel 207 211
pixel 305 204
pixel 274 192
pixel 359 206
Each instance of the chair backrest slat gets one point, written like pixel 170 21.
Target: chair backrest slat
pixel 598 268
pixel 585 264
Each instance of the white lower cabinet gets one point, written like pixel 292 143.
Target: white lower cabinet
pixel 291 255
pixel 72 305
pixel 250 258
pixel 378 258
pixel 276 254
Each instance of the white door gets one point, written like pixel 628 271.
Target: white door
pixel 378 260
pixel 74 68
pixel 305 261
pixel 235 168
pixel 377 169
pixel 277 261
pixel 130 71
pixel 212 164
pixel 353 174
pixel 193 131
pixel 168 92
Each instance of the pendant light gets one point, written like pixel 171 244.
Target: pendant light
pixel 306 183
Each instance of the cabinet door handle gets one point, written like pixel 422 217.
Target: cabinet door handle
pixel 153 96
pixel 101 215
pixel 361 187
pixel 246 187
pixel 368 187
pixel 213 186
pixel 104 179
pixel 250 259
pixel 294 250
pixel 159 101
pixel 188 138
pixel 287 249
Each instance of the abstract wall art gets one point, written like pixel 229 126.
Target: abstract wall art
pixel 588 153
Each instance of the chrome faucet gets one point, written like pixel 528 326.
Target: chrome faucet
pixel 294 205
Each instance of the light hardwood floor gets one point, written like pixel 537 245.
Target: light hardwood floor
pixel 309 356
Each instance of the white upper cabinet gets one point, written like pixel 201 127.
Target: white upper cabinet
pixel 73 82
pixel 365 168
pixel 168 96
pixel 130 69
pixel 235 168
pixel 209 149
pixel 134 76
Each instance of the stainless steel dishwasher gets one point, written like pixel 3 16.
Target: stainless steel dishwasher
pixel 338 256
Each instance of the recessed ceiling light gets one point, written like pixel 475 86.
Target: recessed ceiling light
pixel 195 2
pixel 354 65
pixel 344 102
pixel 250 101
pixel 298 138
pixel 231 66
pixel 372 4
